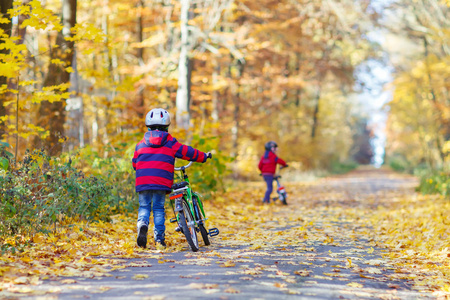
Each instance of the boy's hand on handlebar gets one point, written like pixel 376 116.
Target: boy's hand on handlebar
pixel 209 155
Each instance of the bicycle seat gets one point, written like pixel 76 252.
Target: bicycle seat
pixel 179 185
pixel 277 177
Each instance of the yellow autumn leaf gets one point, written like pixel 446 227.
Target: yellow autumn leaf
pixel 232 291
pixel 68 281
pixel 303 273
pixel 228 264
pixel 21 280
pixel 373 271
pixel 355 285
pixel 140 276
pixel 349 262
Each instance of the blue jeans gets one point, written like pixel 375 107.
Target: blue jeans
pixel 146 198
pixel 269 181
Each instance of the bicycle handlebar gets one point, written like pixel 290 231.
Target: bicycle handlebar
pixel 184 167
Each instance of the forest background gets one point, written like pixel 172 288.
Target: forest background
pixel 78 77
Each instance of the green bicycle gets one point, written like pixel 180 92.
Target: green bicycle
pixel 189 212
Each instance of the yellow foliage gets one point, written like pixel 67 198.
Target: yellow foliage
pixel 27 82
pixel 39 17
pixel 4 20
pixel 56 61
pixel 86 32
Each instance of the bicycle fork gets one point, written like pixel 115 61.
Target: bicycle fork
pixel 177 197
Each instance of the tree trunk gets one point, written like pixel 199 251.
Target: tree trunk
pixel 286 73
pixel 183 95
pixel 140 109
pixel 316 115
pixel 52 115
pixel 215 94
pixel 435 102
pixel 6 28
pixel 236 114
pixel 298 90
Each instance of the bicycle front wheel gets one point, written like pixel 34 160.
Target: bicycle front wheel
pixel 284 199
pixel 200 221
pixel 188 225
pixel 204 234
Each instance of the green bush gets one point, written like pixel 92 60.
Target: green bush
pixel 117 169
pixel 337 167
pixel 5 156
pixel 399 164
pixel 435 183
pixel 44 191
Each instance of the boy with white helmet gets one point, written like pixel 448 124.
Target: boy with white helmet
pixel 153 161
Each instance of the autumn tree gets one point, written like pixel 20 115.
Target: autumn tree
pixel 255 71
pixel 5 33
pixel 418 125
pixel 52 115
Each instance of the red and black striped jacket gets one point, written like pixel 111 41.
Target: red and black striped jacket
pixel 154 160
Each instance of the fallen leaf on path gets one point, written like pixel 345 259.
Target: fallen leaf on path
pixel 303 273
pixel 140 276
pixel 202 286
pixel 68 281
pixel 355 285
pixel 232 291
pixel 228 264
pixel 154 298
pixel 373 271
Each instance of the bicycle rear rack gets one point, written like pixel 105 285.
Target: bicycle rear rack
pixel 213 232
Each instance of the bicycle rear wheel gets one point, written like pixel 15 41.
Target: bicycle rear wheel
pixel 188 225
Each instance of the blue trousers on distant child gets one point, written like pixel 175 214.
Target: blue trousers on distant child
pixel 154 198
pixel 269 181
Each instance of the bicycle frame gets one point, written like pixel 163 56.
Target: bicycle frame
pixel 189 212
pixel 189 195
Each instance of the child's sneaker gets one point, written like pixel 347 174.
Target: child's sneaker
pixel 142 236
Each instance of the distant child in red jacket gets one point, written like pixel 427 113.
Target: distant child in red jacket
pixel 268 165
pixel 153 161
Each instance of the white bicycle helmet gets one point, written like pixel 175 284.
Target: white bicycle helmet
pixel 157 116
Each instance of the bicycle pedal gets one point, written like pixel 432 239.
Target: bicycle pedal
pixel 173 220
pixel 213 232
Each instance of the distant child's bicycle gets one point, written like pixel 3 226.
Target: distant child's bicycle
pixel 282 195
pixel 189 212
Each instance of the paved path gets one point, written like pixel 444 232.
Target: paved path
pixel 318 247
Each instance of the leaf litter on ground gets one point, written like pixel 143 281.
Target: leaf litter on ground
pixel 413 229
